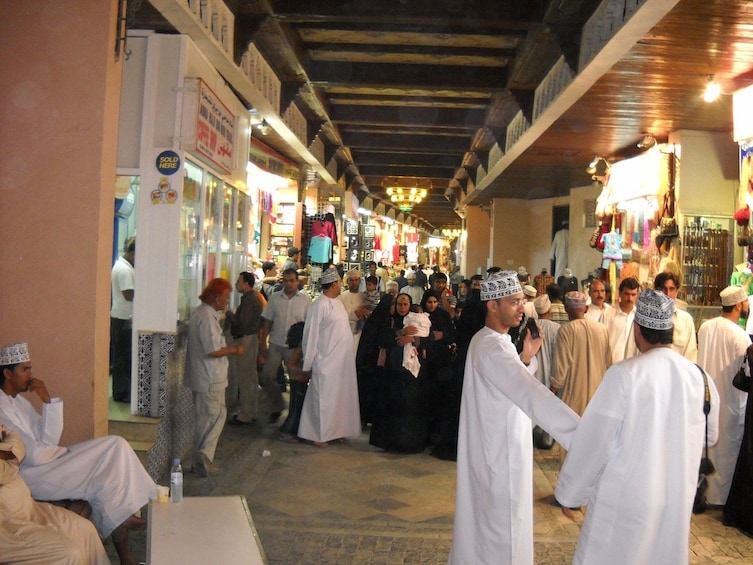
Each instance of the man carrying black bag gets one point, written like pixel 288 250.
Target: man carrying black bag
pixel 635 455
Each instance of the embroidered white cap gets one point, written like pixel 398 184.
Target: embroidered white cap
pixel 654 310
pixel 14 354
pixel 500 284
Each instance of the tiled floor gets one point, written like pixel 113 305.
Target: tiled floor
pixel 354 504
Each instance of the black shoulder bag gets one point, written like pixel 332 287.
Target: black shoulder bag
pixel 741 380
pixel 707 467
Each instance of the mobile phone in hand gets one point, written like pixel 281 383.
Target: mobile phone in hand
pixel 533 328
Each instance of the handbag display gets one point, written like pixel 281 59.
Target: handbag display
pixel 706 467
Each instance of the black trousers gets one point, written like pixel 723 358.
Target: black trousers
pixel 120 343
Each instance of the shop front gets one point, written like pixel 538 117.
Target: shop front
pixel 652 218
pixel 182 155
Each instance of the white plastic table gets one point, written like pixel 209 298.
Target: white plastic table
pixel 203 530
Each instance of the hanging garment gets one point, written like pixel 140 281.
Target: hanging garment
pixel 320 249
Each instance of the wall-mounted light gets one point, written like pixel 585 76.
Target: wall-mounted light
pixel 647 141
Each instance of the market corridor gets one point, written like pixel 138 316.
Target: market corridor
pixel 354 504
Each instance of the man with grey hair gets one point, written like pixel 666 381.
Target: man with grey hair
pixel 634 458
pixel 494 499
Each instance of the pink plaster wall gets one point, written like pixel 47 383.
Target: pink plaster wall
pixel 59 95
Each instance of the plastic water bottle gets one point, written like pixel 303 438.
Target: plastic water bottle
pixel 176 481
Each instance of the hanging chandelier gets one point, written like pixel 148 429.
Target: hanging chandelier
pixel 452 233
pixel 406 192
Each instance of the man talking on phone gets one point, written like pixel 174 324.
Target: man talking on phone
pixel 501 395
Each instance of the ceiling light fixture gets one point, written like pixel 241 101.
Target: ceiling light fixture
pixel 452 233
pixel 591 169
pixel 712 91
pixel 647 141
pixel 264 127
pixel 598 171
pixel 406 192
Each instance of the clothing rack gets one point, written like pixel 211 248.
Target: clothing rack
pixel 322 214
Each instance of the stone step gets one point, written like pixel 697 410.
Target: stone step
pixel 141 448
pixel 137 428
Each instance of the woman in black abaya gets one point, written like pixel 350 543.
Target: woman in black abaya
pixel 738 511
pixel 400 421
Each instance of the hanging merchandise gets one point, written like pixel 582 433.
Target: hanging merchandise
pixel 320 249
pixel 668 229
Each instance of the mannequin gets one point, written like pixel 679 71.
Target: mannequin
pixel 568 281
pixel 558 251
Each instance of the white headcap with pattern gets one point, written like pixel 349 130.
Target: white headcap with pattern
pixel 14 354
pixel 654 310
pixel 500 284
pixel 329 276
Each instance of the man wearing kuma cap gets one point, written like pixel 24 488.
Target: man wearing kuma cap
pixel 634 457
pixel 330 408
pixel 501 395
pixel 722 344
pixel 103 471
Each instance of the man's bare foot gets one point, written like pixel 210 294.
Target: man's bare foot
pixel 120 541
pixel 135 523
pixel 570 513
pixel 319 443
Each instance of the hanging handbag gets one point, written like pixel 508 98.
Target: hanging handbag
pixel 667 223
pixel 706 467
pixel 741 380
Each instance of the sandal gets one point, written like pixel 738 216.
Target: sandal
pixel 319 444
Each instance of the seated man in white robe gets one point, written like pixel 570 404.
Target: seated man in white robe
pixel 103 471
pixel 37 532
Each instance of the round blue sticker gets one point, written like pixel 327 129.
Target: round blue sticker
pixel 168 162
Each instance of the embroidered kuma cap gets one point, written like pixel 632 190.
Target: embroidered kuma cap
pixel 14 354
pixel 654 310
pixel 329 276
pixel 542 304
pixel 733 295
pixel 529 290
pixel 576 300
pixel 500 284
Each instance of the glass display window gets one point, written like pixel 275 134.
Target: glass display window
pixel 216 235
pixel 190 242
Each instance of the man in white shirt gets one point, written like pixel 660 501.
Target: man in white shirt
pixel 121 324
pixel 684 340
pixel 283 309
pixel 619 322
pixel 722 345
pixel 597 310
